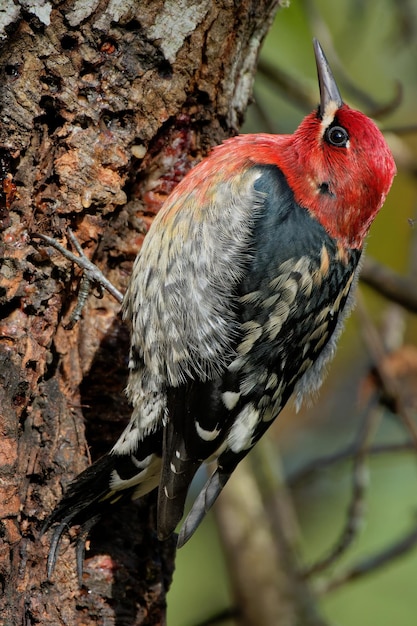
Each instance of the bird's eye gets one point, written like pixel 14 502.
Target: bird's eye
pixel 336 136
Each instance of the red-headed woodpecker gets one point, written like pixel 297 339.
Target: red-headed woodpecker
pixel 236 301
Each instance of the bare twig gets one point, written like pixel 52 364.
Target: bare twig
pixel 371 563
pixel 91 271
pixel 261 556
pixel 263 113
pixel 322 32
pixel 293 89
pixel 308 471
pixel 407 129
pixel 389 384
pixel 359 486
pixel 278 504
pixel 413 251
pixel 399 289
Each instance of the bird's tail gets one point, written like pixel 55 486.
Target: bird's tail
pixel 178 470
pixel 111 478
pixel 202 504
pixel 82 504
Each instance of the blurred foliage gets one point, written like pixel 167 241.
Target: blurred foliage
pixel 372 48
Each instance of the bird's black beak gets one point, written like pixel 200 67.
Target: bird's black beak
pixel 330 98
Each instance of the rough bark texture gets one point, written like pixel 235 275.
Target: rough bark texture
pixel 105 106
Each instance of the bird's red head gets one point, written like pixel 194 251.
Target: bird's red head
pixel 338 163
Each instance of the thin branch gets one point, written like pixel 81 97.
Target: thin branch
pixel 391 389
pixel 278 504
pixel 389 384
pixel 370 564
pixel 91 271
pixel 397 288
pixel 407 129
pixel 359 486
pixel 262 113
pixel 413 251
pixel 322 32
pixel 285 82
pixel 307 472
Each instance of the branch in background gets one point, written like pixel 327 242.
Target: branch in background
pixel 260 553
pixel 279 507
pixel 391 389
pixel 408 129
pixel 397 288
pixel 355 510
pixel 258 582
pixel 308 471
pixel 294 90
pixel 387 389
pixel 322 32
pixel 370 564
pixel 389 385
pixel 262 112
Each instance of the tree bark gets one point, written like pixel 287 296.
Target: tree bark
pixel 105 106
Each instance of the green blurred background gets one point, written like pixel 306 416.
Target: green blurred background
pixel 376 43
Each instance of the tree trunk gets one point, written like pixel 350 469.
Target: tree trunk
pixel 105 106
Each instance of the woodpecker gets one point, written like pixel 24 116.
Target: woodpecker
pixel 236 301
